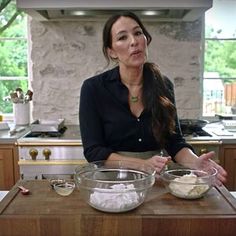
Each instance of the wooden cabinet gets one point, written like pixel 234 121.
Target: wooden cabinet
pixel 225 155
pixel 228 152
pixel 201 147
pixel 9 170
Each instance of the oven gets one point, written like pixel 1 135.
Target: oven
pixel 50 156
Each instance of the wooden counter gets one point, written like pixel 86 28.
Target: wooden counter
pixel 44 213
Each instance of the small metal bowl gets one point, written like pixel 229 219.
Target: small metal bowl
pixel 56 181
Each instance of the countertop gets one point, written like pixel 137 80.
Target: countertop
pixel 72 134
pixel 161 214
pixel 217 134
pixel 70 137
pixel 7 138
pixel 217 130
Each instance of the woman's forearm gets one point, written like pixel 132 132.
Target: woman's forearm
pixel 119 157
pixel 186 157
pixel 157 162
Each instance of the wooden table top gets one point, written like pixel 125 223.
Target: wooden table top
pixel 44 200
pixel 44 203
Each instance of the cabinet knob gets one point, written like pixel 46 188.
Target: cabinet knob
pixel 203 150
pixel 33 153
pixel 47 153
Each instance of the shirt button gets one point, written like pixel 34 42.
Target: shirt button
pixel 138 120
pixel 140 140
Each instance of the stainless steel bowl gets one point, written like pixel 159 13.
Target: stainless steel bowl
pixel 114 186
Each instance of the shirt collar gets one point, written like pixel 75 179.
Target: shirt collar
pixel 115 73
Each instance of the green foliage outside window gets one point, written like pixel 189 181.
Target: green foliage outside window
pixel 13 52
pixel 219 59
pixel 220 56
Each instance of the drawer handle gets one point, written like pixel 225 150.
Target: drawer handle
pixel 203 151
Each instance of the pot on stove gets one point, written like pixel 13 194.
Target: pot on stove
pixel 189 126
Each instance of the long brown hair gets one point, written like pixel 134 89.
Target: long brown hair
pixel 157 98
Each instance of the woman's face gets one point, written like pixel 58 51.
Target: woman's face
pixel 129 44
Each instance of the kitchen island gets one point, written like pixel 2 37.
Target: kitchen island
pixel 43 212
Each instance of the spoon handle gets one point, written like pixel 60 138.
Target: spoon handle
pixel 23 189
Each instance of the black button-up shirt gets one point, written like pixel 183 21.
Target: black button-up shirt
pixel 107 124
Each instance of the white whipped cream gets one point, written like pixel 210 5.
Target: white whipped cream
pixel 120 201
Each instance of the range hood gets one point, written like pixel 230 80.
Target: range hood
pixel 149 10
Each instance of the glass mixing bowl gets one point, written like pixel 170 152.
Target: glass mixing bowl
pixel 114 186
pixel 189 183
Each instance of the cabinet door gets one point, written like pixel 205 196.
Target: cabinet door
pixel 205 148
pixel 6 168
pixel 229 154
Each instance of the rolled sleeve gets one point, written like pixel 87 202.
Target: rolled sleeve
pixel 175 144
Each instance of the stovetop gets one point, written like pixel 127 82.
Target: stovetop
pixel 46 134
pixel 197 133
pixel 70 135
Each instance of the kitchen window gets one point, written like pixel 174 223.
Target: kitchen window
pixel 13 54
pixel 219 83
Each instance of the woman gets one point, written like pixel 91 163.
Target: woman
pixel 129 111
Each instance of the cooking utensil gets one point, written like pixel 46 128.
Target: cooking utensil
pixel 14 97
pixel 56 181
pixel 189 126
pixel 47 125
pixel 20 93
pixel 23 190
pixel 18 96
pixel 28 95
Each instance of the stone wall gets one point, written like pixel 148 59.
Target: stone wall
pixel 63 54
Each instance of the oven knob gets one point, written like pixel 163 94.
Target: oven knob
pixel 47 153
pixel 33 153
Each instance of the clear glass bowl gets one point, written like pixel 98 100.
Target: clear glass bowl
pixel 114 186
pixel 189 183
pixel 64 189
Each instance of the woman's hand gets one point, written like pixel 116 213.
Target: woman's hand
pixel 205 161
pixel 158 162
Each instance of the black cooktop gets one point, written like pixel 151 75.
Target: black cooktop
pixel 46 134
pixel 197 133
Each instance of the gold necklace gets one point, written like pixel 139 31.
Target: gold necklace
pixel 133 99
